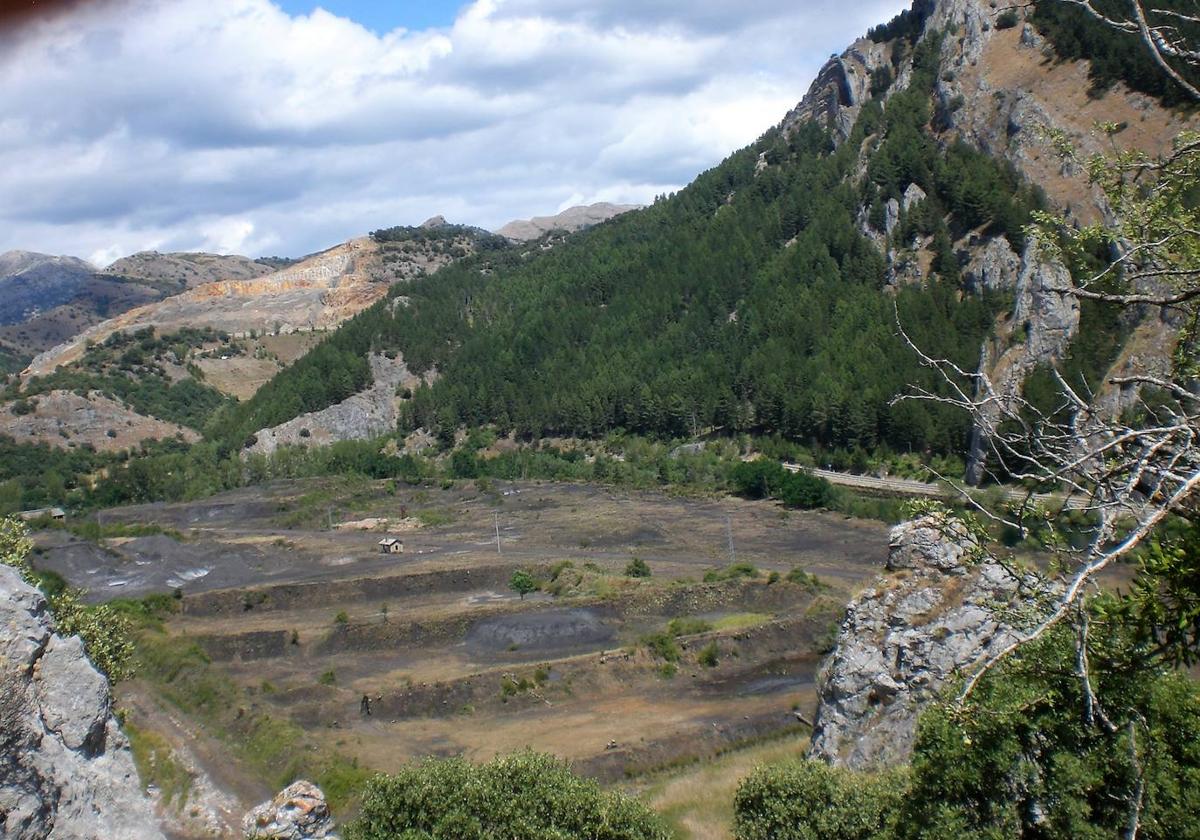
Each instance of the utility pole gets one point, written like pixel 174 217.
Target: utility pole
pixel 496 520
pixel 729 539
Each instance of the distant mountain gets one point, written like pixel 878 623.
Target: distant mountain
pixel 570 220
pixel 181 271
pixel 48 300
pixel 31 282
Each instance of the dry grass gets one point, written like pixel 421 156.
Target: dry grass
pixel 697 801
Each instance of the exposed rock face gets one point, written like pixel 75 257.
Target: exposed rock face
pixel 902 641
pixel 298 812
pixel 1044 321
pixel 840 89
pixel 571 219
pixel 65 767
pixel 995 267
pixel 365 415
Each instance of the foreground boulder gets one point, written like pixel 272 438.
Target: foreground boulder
pixel 66 771
pixel 935 616
pixel 298 812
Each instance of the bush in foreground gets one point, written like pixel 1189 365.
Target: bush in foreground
pixel 527 796
pixel 808 800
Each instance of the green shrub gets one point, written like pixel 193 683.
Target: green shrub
pixel 708 656
pixel 526 795
pixel 808 800
pixel 1024 741
pixel 801 490
pixel 341 618
pixel 735 570
pixel 328 678
pixel 806 579
pixel 637 568
pixel 688 626
pixel 662 645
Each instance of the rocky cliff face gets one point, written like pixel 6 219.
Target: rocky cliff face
pixel 999 90
pixel 932 617
pixel 65 767
pixel 365 415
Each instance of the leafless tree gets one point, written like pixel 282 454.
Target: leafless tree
pixel 1131 467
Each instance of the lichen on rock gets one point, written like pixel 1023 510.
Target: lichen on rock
pixel 298 812
pixel 903 641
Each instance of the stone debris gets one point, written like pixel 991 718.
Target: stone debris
pixel 298 812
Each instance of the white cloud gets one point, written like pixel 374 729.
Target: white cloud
pixel 232 126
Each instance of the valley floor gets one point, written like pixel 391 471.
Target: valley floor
pixel 300 622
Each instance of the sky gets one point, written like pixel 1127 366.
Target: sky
pixel 282 128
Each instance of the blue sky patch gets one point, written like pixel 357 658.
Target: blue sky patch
pixel 382 16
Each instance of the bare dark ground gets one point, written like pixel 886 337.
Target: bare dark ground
pixel 279 533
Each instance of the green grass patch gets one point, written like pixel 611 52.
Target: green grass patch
pixel 435 517
pixel 156 765
pixel 688 626
pixel 741 621
pixel 277 751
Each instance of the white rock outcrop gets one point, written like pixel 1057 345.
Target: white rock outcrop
pixel 66 772
pixel 904 640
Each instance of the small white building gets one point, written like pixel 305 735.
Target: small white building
pixel 391 545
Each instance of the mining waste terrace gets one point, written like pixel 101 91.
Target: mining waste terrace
pixel 308 619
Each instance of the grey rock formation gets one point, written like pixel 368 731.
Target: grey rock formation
pixel 66 772
pixel 571 219
pixel 904 640
pixel 365 415
pixel 891 216
pixel 840 89
pixel 913 196
pixel 298 812
pixel 1044 320
pixel 994 267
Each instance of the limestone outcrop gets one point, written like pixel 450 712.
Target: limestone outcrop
pixel 66 771
pixel 298 812
pixel 365 415
pixel 935 616
pixel 1044 321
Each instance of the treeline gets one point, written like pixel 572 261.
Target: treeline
pixel 748 302
pixel 1114 55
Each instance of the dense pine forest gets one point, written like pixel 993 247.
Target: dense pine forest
pixel 751 301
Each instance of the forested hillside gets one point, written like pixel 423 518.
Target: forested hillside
pixel 1114 56
pixel 750 301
